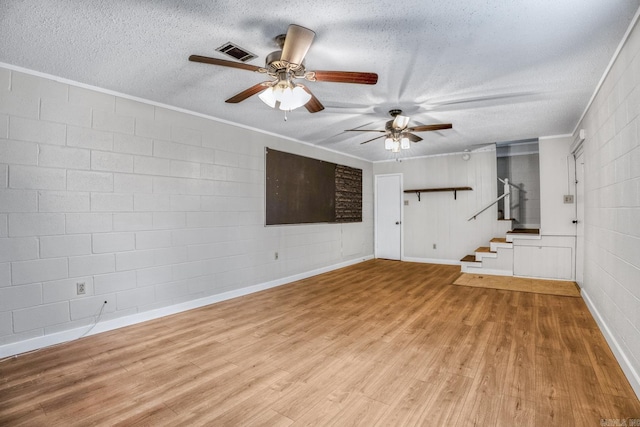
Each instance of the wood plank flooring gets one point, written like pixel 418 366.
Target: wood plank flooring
pixel 379 343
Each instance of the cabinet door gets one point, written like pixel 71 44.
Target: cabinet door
pixel 547 262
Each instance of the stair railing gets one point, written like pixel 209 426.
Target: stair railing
pixel 487 207
pixel 506 195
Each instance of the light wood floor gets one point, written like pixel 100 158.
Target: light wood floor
pixel 379 343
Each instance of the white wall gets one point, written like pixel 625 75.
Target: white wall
pixel 557 179
pixel 612 207
pixel 438 218
pixel 150 207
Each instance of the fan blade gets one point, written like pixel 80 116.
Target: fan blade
pixel 412 137
pixel 313 105
pixel 344 77
pixel 296 44
pixel 247 93
pixel 426 128
pixel 373 139
pixel 223 62
pixel 364 130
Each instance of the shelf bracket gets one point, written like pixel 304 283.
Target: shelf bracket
pixel 418 193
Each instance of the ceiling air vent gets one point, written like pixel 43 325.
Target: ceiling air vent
pixel 236 52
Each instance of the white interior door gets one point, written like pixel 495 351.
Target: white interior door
pixel 580 219
pixel 388 216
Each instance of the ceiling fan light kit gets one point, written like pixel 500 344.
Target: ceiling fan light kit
pixel 285 96
pixel 285 65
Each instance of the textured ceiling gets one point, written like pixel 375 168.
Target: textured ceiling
pixel 498 70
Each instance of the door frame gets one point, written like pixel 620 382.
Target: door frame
pixel 578 157
pixel 375 214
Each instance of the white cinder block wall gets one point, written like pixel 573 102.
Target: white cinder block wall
pixel 612 207
pixel 148 206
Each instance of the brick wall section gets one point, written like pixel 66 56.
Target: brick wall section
pixel 348 194
pixel 148 206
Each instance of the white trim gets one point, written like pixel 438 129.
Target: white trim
pixel 168 107
pixel 578 142
pixel 491 147
pixel 566 135
pixel 608 69
pixel 432 260
pixel 488 271
pixel 631 374
pixel 543 278
pixel 109 325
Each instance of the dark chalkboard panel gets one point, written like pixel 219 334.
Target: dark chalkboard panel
pixel 303 190
pixel 299 189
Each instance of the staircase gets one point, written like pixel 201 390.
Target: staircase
pixel 497 258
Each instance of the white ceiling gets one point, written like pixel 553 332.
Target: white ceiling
pixel 498 70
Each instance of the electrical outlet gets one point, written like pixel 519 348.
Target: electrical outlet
pixel 81 288
pixel 568 198
pixel 275 256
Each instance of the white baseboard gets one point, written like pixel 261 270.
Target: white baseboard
pixel 120 322
pixel 489 271
pixel 628 369
pixel 432 260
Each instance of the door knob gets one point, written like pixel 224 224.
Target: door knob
pixel 575 221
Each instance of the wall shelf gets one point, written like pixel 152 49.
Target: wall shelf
pixel 430 190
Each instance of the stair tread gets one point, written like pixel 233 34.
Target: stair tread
pixel 499 240
pixel 484 249
pixel 469 258
pixel 524 231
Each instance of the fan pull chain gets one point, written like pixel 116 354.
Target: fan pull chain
pixel 285 115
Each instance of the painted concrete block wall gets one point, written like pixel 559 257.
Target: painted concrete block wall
pixel 612 206
pixel 438 218
pixel 148 206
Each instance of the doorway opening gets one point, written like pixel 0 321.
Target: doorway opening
pixel 518 164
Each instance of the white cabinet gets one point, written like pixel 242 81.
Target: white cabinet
pixel 549 262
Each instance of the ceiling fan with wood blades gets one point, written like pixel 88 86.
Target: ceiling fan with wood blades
pixel 397 132
pixel 284 67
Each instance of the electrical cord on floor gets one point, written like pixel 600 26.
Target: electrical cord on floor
pixel 94 323
pixel 97 319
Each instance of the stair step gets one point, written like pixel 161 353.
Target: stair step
pixel 523 233
pixel 470 259
pixel 500 242
pixel 485 252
